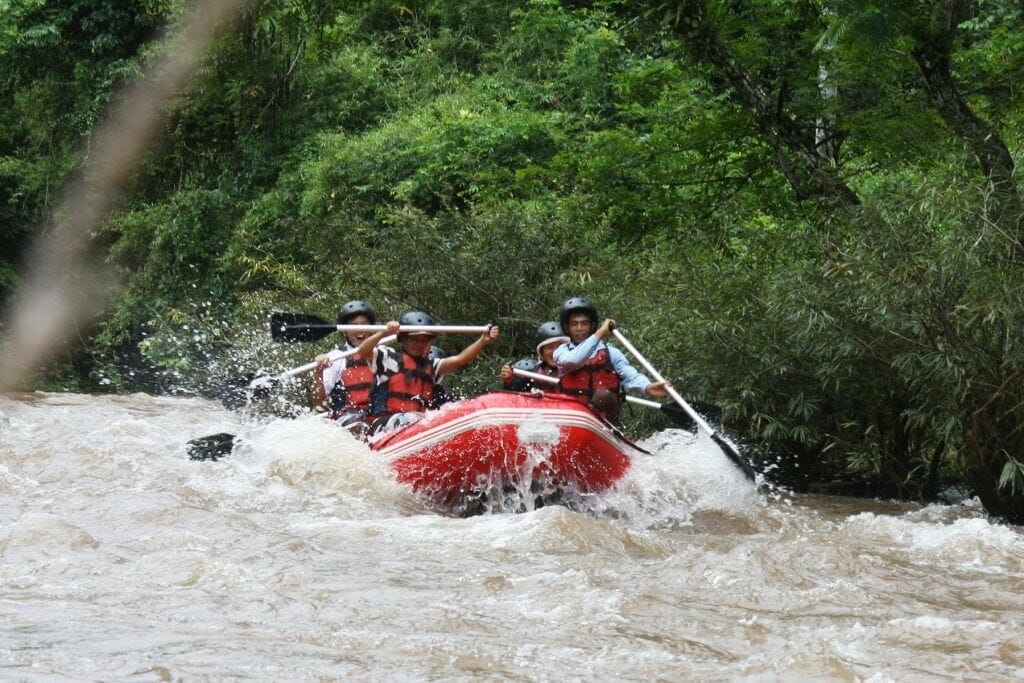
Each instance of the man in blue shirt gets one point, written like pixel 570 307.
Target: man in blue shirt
pixel 592 369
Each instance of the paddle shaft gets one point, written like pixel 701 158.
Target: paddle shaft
pixel 405 329
pixel 331 356
pixel 727 448
pixel 636 400
pixel 701 422
pixel 526 374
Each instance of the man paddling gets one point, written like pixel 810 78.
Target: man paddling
pixel 343 386
pixel 593 370
pixel 407 379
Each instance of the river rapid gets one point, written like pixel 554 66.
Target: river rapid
pixel 299 557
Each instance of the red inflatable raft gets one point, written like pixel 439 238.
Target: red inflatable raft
pixel 539 446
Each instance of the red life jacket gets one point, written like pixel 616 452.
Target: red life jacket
pixel 596 373
pixel 358 381
pixel 411 389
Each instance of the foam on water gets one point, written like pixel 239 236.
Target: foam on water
pixel 970 542
pixel 685 482
pixel 290 465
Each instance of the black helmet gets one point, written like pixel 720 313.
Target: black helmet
pixel 548 333
pixel 435 353
pixel 416 318
pixel 527 364
pixel 354 308
pixel 577 304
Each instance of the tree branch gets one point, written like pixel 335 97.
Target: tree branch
pixel 690 22
pixel 933 57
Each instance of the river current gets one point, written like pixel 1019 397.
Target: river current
pixel 299 557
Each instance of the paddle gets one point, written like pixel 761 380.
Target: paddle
pixel 729 450
pixel 673 411
pixel 212 447
pixel 216 446
pixel 299 327
pixel 548 379
pixel 331 356
pixel 239 392
pixel 536 376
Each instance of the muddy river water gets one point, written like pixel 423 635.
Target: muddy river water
pixel 300 557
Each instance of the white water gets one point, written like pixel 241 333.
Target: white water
pixel 299 557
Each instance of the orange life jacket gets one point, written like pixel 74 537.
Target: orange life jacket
pixel 357 378
pixel 596 373
pixel 411 389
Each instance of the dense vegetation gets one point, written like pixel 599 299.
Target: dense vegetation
pixel 805 212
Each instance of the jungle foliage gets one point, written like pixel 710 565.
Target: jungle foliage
pixel 806 212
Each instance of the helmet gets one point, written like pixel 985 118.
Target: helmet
pixel 577 304
pixel 416 318
pixel 527 364
pixel 548 333
pixel 354 308
pixel 435 353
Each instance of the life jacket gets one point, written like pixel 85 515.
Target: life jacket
pixel 596 373
pixel 354 386
pixel 411 389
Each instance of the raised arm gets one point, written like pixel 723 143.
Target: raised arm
pixel 568 359
pixel 470 353
pixel 366 348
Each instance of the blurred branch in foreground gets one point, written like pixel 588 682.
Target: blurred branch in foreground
pixel 68 285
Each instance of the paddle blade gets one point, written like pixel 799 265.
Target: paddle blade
pixel 734 455
pixel 298 327
pixel 234 393
pixel 213 447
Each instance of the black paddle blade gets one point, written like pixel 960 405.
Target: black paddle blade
pixel 213 447
pixel 734 455
pixel 298 327
pixel 234 392
pixel 238 392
